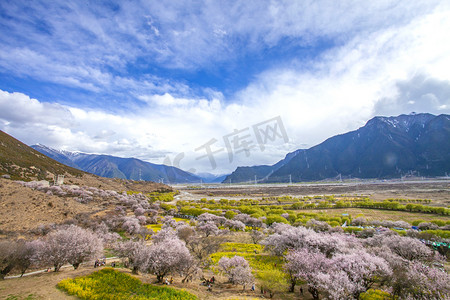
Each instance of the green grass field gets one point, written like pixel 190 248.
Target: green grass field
pixel 378 214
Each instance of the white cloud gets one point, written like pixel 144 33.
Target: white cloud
pixel 417 94
pixel 372 67
pixel 150 134
pixel 21 109
pixel 178 34
pixel 340 92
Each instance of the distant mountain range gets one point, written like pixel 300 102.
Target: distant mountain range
pixel 260 173
pixel 386 147
pixel 125 168
pixel 117 167
pixel 211 178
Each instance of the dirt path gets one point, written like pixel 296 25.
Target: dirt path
pixel 40 286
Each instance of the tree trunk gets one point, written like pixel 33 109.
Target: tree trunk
pixel 135 270
pixel 292 287
pixel 185 278
pixel 5 271
pixel 314 292
pixel 76 265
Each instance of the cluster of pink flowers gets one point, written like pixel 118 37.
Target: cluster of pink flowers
pixel 339 266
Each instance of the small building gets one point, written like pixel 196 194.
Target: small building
pixel 58 179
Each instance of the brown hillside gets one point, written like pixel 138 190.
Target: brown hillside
pixel 23 209
pixel 24 163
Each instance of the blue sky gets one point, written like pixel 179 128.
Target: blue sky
pixel 153 79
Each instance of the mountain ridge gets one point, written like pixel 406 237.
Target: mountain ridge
pixel 385 147
pixel 117 167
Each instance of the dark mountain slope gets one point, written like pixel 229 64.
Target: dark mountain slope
pixel 244 174
pixel 386 147
pixel 383 148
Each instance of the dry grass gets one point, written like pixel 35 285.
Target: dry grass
pixel 22 208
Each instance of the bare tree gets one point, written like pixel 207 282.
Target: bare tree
pixel 25 253
pixel 202 247
pixel 7 257
pixel 256 236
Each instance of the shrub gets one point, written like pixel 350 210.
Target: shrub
pixel 275 219
pixel 375 295
pixel 237 269
pixel 111 284
pixel 230 214
pixel 274 281
pixel 445 234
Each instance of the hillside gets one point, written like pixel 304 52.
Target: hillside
pixel 22 162
pixel 386 147
pixel 118 167
pixel 23 208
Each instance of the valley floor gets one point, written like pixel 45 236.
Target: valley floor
pixel 437 190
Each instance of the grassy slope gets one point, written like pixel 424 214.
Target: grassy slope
pixel 24 163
